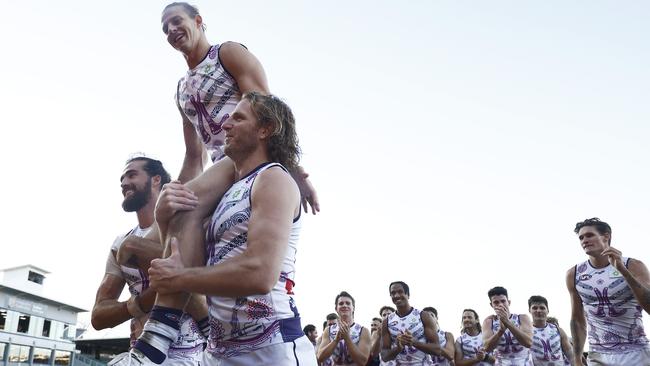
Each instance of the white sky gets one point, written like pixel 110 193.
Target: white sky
pixel 454 144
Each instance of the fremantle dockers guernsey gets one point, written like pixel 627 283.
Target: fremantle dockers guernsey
pixel 440 360
pixel 509 349
pixel 547 346
pixel 245 324
pixel 136 279
pixel 614 323
pixel 341 355
pixel 470 345
pixel 190 341
pixel 207 95
pixel 413 323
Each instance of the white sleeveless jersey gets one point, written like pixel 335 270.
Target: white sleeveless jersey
pixel 207 95
pixel 413 323
pixel 509 349
pixel 190 342
pixel 341 355
pixel 135 278
pixel 614 323
pixel 469 346
pixel 439 360
pixel 547 346
pixel 245 324
pixel 381 361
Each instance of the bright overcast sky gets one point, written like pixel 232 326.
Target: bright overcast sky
pixel 454 144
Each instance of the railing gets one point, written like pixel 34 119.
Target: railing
pixel 83 360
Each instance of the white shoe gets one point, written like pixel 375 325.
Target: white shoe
pixel 131 358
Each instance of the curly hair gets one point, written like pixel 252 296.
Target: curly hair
pixel 283 143
pixel 386 307
pixel 478 322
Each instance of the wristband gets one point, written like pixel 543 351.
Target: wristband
pixel 133 307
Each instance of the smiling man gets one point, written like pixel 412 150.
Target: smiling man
pixel 409 336
pixel 217 77
pixel 141 183
pixel 251 244
pixel 551 345
pixel 610 292
pixel 344 342
pixel 469 345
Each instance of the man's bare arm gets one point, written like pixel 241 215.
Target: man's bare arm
pixel 388 353
pixel 578 322
pixel 108 311
pixel 244 67
pixel 359 352
pixel 638 279
pixel 275 201
pixel 524 332
pixel 138 252
pixel 432 344
pixel 195 153
pixel 375 343
pixel 449 351
pixel 566 346
pixel 326 347
pixel 458 359
pixel 491 339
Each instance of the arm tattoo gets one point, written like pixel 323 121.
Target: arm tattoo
pixel 578 338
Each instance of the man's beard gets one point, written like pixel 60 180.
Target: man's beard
pixel 138 199
pixel 240 151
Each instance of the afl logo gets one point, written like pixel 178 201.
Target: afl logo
pixel 584 277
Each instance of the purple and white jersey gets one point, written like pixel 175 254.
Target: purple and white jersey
pixel 207 95
pixel 341 355
pixel 439 360
pixel 136 279
pixel 413 323
pixel 547 346
pixel 469 346
pixel 245 324
pixel 614 323
pixel 189 344
pixel 509 350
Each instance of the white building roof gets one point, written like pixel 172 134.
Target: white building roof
pixel 30 266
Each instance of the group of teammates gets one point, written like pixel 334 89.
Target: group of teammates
pixel 405 335
pixel 244 261
pixel 609 294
